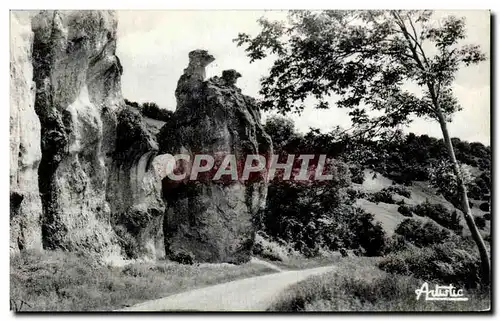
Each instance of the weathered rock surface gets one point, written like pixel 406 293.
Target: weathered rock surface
pixel 212 220
pixel 25 153
pixel 78 91
pixel 92 182
pixel 85 175
pixel 134 188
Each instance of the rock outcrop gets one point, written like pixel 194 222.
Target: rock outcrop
pixel 134 188
pixel 212 220
pixel 85 175
pixel 91 180
pixel 25 153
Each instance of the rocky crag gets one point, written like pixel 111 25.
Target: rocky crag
pixel 76 183
pixel 213 220
pixel 84 166
pixel 25 152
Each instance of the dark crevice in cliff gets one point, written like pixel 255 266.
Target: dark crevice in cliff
pixel 54 138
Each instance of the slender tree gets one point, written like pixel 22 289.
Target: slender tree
pixel 384 66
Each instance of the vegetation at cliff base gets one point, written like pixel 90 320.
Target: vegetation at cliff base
pixel 63 281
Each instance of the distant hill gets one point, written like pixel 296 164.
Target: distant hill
pixel 388 215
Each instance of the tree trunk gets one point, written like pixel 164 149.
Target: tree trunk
pixel 483 252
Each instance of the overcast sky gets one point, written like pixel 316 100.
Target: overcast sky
pixel 153 47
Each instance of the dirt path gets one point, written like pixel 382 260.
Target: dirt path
pixel 251 294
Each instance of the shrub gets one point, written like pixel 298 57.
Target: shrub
pixel 405 210
pixel 357 174
pixel 271 249
pixel 440 214
pixel 383 196
pixel 132 104
pixel 354 195
pixel 419 234
pixel 485 207
pixel 152 110
pixel 352 228
pixel 487 216
pixel 304 214
pixel 360 230
pixel 183 257
pixel 400 190
pixel 374 239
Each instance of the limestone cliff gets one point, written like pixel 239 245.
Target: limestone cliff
pixel 25 153
pixel 85 175
pixel 212 220
pixel 85 167
pixel 134 188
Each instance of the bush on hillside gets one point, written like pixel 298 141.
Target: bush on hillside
pixel 152 110
pixel 440 214
pixel 354 195
pixel 132 104
pixel 405 210
pixel 383 196
pixel 357 174
pixel 400 202
pixel 302 213
pixel 353 228
pixel 274 250
pixel 485 207
pixel 421 234
pixel 400 190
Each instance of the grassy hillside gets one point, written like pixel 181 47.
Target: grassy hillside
pixel 153 125
pixel 388 215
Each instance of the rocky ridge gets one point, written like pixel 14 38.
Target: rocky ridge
pixel 87 173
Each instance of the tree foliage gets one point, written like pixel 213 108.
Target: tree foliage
pixel 316 214
pixel 369 59
pixel 365 58
pixel 151 110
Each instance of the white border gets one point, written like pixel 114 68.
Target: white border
pixel 197 5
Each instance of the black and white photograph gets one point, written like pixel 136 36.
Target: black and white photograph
pixel 193 161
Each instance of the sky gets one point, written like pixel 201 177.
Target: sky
pixel 153 47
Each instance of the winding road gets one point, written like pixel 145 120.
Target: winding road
pixel 250 294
